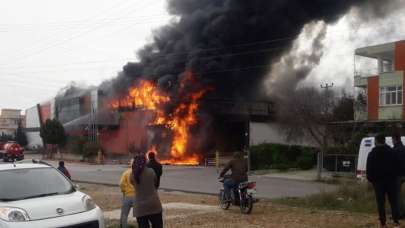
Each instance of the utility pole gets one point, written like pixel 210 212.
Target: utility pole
pixel 321 154
pixel 327 86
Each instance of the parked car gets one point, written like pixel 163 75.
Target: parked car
pixel 36 195
pixel 12 151
pixel 366 145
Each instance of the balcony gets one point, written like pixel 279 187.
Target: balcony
pixel 360 81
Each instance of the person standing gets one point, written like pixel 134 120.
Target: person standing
pixel 64 170
pixel 156 166
pixel 147 207
pixel 399 149
pixel 128 193
pixel 381 170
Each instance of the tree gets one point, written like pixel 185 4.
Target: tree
pixel 343 110
pixel 5 137
pixel 53 133
pixel 20 136
pixel 306 114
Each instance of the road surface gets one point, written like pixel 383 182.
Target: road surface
pixel 197 179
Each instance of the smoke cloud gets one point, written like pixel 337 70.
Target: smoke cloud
pixel 293 67
pixel 229 44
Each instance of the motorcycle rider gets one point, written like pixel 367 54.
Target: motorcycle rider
pixel 239 168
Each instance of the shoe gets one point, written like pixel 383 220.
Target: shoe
pixel 396 225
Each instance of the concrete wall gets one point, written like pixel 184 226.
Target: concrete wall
pixel 373 94
pixel 391 79
pixel 400 55
pixel 10 113
pixel 271 133
pixel 34 140
pixel 32 128
pixel 390 112
pixel 32 118
pixel 9 120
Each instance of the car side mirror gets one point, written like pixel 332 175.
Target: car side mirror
pixel 76 186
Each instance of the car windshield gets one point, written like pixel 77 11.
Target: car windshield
pixel 31 183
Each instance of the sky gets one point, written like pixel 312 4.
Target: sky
pixel 342 38
pixel 47 44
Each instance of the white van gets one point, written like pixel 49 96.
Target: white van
pixel 366 145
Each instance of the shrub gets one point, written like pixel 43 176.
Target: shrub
pixel 283 157
pixel 305 161
pixel 75 144
pixel 337 150
pixel 90 150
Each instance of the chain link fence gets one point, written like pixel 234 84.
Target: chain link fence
pixel 340 163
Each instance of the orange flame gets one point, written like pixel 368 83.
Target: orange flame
pixel 146 95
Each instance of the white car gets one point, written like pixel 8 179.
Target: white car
pixel 36 195
pixel 366 145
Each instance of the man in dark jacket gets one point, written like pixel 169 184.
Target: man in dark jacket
pixel 382 172
pixel 239 168
pixel 399 150
pixel 156 166
pixel 63 169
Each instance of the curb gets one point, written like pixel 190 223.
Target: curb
pixel 162 189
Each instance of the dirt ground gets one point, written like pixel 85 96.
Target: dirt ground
pixel 195 210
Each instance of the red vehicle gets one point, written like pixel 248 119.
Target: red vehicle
pixel 11 151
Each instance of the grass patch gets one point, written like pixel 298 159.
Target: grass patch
pixel 352 196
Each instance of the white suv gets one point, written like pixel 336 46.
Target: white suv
pixel 36 195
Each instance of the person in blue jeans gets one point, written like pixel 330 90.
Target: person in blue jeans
pixel 239 169
pixel 128 194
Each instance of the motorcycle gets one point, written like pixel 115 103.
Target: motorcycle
pixel 241 196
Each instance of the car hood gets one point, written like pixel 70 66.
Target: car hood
pixel 46 207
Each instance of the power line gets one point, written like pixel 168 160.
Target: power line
pixel 20 56
pixel 89 19
pixel 80 22
pixel 67 64
pixel 180 60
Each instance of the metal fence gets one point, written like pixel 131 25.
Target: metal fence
pixel 340 163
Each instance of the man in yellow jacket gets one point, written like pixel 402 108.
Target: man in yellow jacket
pixel 128 192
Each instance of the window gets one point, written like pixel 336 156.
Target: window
pixel 24 183
pixel 391 95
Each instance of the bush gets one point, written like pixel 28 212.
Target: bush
pixel 282 157
pixel 338 150
pixel 75 144
pixel 305 161
pixel 90 150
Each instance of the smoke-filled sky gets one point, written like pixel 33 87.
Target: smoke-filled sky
pixel 46 44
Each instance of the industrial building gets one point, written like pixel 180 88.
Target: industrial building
pixel 10 119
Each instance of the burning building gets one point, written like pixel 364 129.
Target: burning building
pixel 181 131
pixel 198 86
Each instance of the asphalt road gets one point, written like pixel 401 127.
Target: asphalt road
pixel 197 179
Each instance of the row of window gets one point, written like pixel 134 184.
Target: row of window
pixel 391 95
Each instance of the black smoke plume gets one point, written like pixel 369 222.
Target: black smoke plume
pixel 229 44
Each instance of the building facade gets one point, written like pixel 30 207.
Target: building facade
pixel 9 121
pixel 380 82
